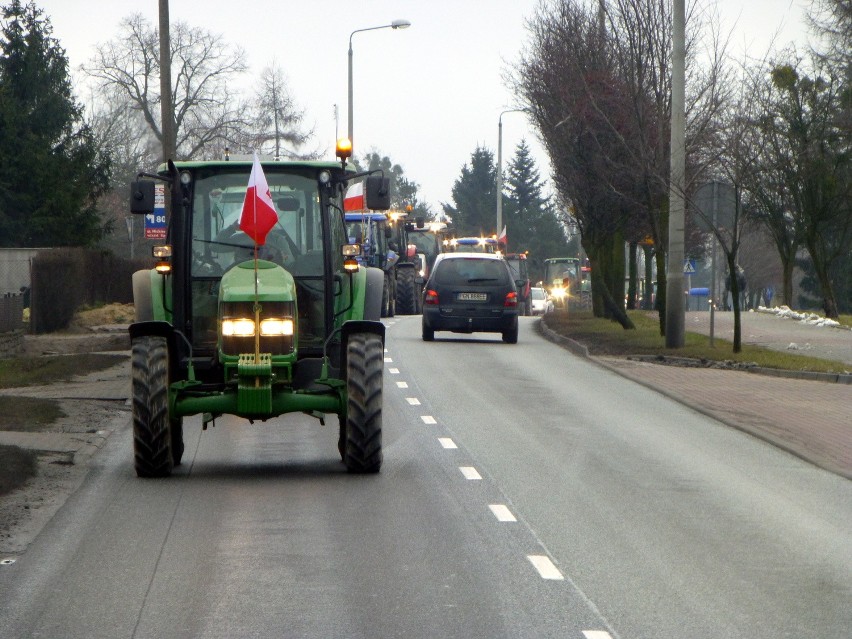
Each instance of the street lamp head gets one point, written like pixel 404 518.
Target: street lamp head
pixel 400 24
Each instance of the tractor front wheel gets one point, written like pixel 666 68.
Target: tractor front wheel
pixel 362 448
pixel 152 432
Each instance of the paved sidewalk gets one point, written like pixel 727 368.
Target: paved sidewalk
pixel 810 419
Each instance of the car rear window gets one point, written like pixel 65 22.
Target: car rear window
pixel 472 271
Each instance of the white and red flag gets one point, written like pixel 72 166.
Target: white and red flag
pixel 502 239
pixel 258 215
pixel 354 198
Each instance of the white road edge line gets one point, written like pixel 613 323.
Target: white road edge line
pixel 470 472
pixel 502 513
pixel 596 634
pixel 545 567
pixel 446 442
pixel 428 419
pixel 413 401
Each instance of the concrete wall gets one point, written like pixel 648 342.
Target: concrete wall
pixel 15 268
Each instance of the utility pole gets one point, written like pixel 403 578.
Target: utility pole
pixel 167 115
pixel 675 317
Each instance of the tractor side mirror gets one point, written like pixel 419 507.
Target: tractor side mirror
pixel 377 193
pixel 142 197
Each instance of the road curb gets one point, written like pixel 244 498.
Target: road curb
pixel 667 360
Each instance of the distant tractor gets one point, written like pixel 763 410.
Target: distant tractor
pixel 371 230
pixel 227 325
pixel 562 279
pixel 406 270
pixel 428 239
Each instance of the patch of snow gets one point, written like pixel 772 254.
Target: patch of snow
pixel 812 319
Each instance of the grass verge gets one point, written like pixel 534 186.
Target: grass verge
pixel 35 371
pixel 28 414
pixel 604 337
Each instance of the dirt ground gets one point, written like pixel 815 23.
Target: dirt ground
pixel 91 419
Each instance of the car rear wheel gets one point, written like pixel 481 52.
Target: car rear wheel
pixel 428 333
pixel 511 336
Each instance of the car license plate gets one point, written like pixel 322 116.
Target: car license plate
pixel 472 297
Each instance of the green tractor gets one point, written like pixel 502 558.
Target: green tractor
pixel 225 327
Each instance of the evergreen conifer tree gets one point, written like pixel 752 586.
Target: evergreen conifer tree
pixel 50 170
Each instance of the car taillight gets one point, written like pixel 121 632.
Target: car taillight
pixel 511 300
pixel 431 297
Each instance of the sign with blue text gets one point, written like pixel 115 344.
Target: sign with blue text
pixel 155 223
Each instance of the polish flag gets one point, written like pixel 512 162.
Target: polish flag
pixel 258 215
pixel 354 198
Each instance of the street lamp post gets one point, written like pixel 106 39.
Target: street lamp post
pixel 396 24
pixel 500 166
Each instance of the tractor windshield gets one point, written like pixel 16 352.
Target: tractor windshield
pixel 556 270
pixel 425 241
pixel 295 243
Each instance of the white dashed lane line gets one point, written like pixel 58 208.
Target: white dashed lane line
pixel 502 513
pixel 470 472
pixel 542 563
pixel 596 634
pixel 545 567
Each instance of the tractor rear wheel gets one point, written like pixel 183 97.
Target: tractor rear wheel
pixel 363 433
pixel 406 291
pixel 152 433
pixel 176 427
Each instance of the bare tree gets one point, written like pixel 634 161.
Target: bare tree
pixel 806 145
pixel 277 119
pixel 206 109
pixel 596 80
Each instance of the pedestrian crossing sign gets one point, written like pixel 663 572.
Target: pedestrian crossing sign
pixel 689 267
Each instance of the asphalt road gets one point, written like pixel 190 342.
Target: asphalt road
pixel 525 493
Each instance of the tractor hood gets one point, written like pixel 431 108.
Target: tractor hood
pixel 274 284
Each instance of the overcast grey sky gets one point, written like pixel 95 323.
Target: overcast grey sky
pixel 425 96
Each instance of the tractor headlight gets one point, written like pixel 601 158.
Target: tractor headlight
pixel 276 328
pixel 270 327
pixel 238 327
